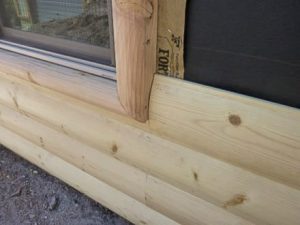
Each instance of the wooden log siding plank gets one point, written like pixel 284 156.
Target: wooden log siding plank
pixel 261 200
pixel 131 181
pixel 261 136
pixel 96 189
pixel 135 33
pixel 81 85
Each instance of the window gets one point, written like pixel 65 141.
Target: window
pixel 75 28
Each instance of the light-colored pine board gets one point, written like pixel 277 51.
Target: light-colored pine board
pixel 263 201
pixel 261 136
pixel 110 197
pixel 81 85
pixel 133 182
pixel 135 35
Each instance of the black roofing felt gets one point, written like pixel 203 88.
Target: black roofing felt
pixel 250 47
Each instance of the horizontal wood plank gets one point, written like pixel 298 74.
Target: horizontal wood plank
pixel 261 136
pixel 75 83
pixel 135 183
pixel 110 197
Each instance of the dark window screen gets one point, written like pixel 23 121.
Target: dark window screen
pixel 249 46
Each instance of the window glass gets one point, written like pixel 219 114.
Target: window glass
pixel 84 21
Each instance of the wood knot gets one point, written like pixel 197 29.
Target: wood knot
pixel 236 200
pixel 235 120
pixel 114 149
pixel 195 176
pixel 139 8
pixel 42 142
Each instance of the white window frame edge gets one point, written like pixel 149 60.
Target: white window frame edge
pixel 60 59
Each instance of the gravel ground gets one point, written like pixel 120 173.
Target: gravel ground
pixel 30 196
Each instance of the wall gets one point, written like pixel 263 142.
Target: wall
pixel 206 156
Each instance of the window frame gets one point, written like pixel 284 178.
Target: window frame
pixel 63 48
pixel 135 43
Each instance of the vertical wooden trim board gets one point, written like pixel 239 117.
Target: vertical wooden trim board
pixel 135 32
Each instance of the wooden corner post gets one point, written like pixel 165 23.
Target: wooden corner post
pixel 135 33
